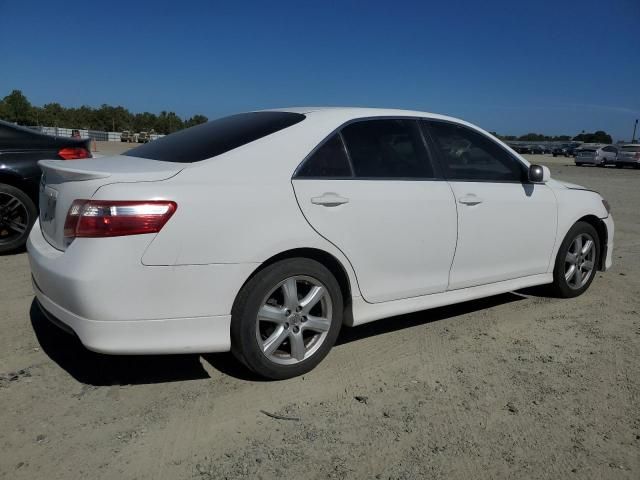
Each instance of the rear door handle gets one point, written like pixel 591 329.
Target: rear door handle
pixel 470 199
pixel 329 199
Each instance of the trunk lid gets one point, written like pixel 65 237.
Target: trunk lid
pixel 64 181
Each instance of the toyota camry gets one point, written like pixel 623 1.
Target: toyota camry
pixel 263 233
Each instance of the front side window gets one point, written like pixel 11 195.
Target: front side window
pixel 469 155
pixel 328 161
pixel 385 148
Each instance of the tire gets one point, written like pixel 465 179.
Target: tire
pixel 563 286
pixel 17 215
pixel 285 319
pixel 578 164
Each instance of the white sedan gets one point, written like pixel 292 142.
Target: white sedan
pixel 264 232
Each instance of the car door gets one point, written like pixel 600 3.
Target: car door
pixel 506 225
pixel 370 189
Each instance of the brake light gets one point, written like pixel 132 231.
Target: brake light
pixel 74 153
pixel 106 218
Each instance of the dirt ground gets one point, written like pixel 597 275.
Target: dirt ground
pixel 514 386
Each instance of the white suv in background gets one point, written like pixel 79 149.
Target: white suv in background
pixel 629 156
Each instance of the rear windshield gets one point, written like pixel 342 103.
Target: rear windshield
pixel 631 148
pixel 216 137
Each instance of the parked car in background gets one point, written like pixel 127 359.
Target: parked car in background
pixel 566 150
pixel 144 137
pixel 20 150
pixel 628 156
pixel 264 232
pixel 539 149
pixel 522 149
pixel 596 155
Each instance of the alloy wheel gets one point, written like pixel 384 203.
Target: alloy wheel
pixel 580 261
pixel 294 320
pixel 14 218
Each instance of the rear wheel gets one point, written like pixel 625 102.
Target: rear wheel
pixel 17 215
pixel 286 318
pixel 576 262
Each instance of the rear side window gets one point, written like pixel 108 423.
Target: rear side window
pixel 387 149
pixel 469 155
pixel 330 160
pixel 631 148
pixel 216 137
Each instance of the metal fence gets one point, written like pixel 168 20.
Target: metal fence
pixel 97 135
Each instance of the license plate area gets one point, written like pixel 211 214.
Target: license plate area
pixel 48 205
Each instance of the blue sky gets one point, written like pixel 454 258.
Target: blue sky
pixel 514 67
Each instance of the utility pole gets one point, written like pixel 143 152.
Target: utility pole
pixel 635 125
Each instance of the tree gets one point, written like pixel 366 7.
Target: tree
pixel 195 120
pixel 599 136
pixel 16 108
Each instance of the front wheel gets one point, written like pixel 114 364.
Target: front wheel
pixel 576 262
pixel 286 318
pixel 17 215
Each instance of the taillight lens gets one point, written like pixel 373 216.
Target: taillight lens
pixel 74 153
pixel 105 218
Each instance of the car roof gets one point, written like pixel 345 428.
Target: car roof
pixel 350 113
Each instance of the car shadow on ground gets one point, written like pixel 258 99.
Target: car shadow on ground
pixel 101 370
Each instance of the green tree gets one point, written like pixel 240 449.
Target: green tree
pixel 598 136
pixel 195 120
pixel 16 108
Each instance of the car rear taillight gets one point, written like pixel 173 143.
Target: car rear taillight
pixel 74 153
pixel 105 218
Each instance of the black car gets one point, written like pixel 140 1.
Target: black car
pixel 20 150
pixel 567 150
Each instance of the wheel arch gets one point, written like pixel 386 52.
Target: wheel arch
pixel 323 257
pixel 26 185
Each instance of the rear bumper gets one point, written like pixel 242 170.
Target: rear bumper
pixel 115 304
pixel 628 161
pixel 141 337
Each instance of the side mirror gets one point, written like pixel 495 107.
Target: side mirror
pixel 539 174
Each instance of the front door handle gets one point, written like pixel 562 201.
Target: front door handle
pixel 470 199
pixel 329 199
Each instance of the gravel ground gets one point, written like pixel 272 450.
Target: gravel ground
pixel 515 386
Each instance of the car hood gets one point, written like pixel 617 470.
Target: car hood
pixel 568 185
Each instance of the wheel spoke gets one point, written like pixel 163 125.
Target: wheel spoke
pixel 272 343
pixel 269 313
pixel 587 247
pixel 290 290
pixel 570 273
pixel 578 243
pixel 317 324
pixel 588 265
pixel 297 346
pixel 12 204
pixel 17 226
pixel 578 277
pixel 571 258
pixel 312 298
